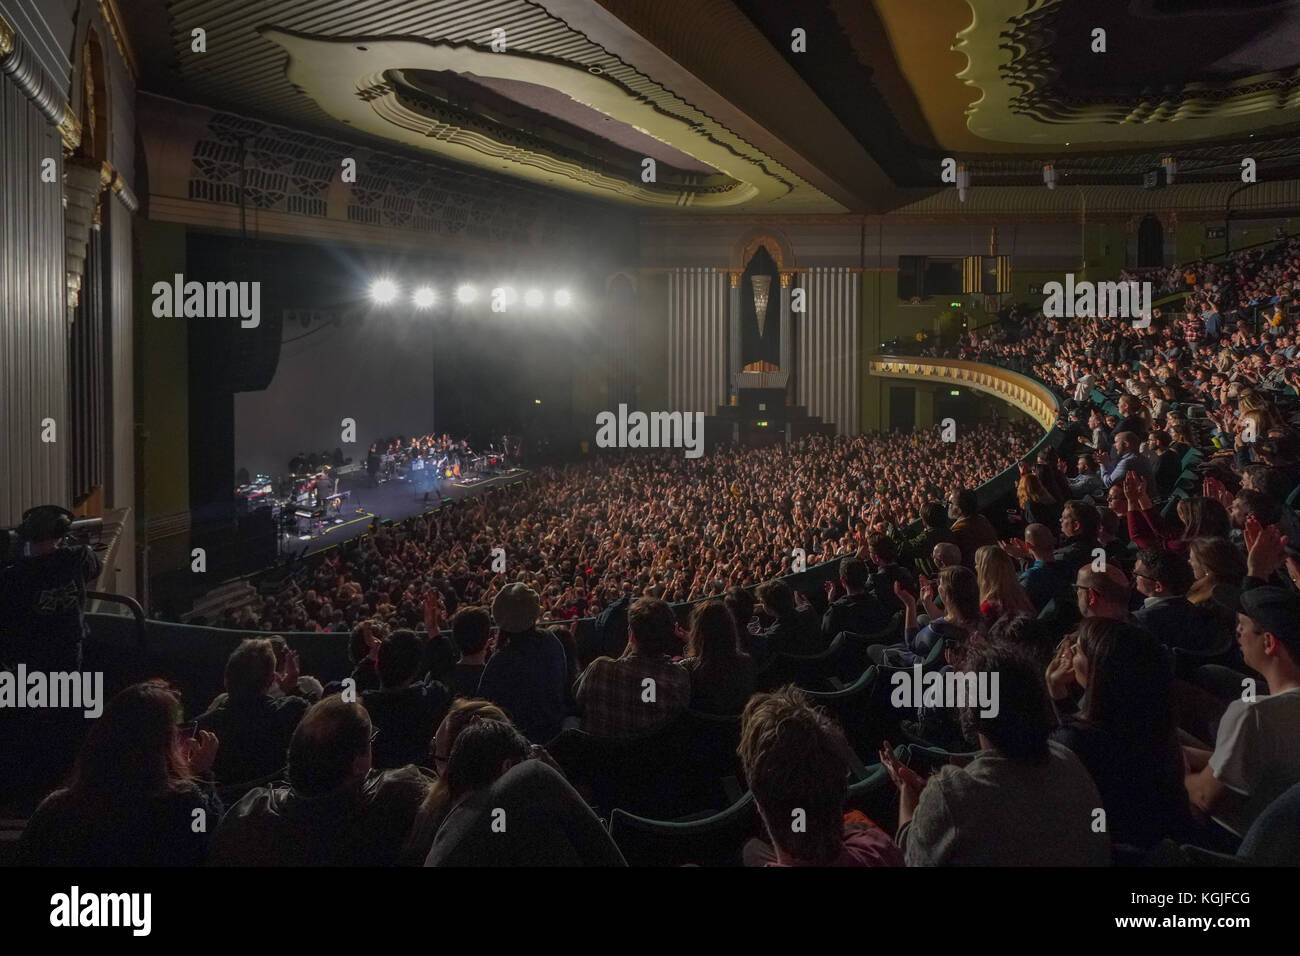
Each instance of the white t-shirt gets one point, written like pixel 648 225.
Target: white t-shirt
pixel 1257 754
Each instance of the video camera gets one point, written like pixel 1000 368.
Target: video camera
pixel 44 523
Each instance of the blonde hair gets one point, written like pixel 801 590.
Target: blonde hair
pixel 436 803
pixel 999 582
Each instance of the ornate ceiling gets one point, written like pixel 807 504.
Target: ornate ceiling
pixel 737 121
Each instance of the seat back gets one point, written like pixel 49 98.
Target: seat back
pixel 809 671
pixel 657 774
pixel 714 840
pixel 855 708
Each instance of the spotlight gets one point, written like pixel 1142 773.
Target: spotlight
pixel 562 298
pixel 466 294
pixel 383 291
pixel 424 297
pixel 533 298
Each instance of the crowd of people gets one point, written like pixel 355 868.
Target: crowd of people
pixel 584 534
pixel 1136 612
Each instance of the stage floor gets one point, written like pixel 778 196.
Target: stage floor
pixel 395 499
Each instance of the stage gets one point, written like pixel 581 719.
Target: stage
pixel 395 499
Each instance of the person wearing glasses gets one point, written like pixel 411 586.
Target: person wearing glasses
pixel 335 810
pixel 1103 593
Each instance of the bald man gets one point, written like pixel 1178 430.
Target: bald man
pixel 1124 459
pixel 1045 577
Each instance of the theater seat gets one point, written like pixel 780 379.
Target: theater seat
pixel 856 710
pixel 714 840
pixel 853 659
pixel 809 671
pixel 659 774
pixel 10 832
pixel 1272 840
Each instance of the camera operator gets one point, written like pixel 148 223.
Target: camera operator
pixel 42 590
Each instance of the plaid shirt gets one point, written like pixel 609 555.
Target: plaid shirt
pixel 610 694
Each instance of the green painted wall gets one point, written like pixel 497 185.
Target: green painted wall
pixel 161 394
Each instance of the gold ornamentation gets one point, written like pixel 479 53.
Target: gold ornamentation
pixel 735 279
pixel 7 38
pixel 787 278
pixel 70 130
pixel 113 17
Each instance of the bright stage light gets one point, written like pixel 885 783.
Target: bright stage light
pixel 383 291
pixel 562 297
pixel 466 294
pixel 424 297
pixel 533 298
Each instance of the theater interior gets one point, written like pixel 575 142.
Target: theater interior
pixel 651 422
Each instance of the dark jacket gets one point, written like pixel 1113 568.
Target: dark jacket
pixel 858 613
pixel 254 735
pixel 546 823
pixel 148 831
pixel 1179 623
pixel 365 826
pixel 406 719
pixel 528 679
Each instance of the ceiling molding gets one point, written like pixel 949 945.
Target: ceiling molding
pixel 1011 61
pixel 348 78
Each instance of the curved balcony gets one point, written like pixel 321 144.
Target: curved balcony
pixel 1030 396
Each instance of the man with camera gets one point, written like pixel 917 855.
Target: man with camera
pixel 42 590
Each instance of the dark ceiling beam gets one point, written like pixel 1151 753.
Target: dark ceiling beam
pixel 709 54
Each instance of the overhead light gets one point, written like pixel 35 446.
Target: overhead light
pixel 466 294
pixel 533 298
pixel 562 297
pixel 424 297
pixel 383 291
pixel 1171 169
pixel 1049 176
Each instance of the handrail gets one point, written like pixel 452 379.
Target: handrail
pixel 132 605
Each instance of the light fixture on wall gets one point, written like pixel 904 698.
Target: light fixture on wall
pixel 1171 169
pixel 963 181
pixel 1049 176
pixel 761 284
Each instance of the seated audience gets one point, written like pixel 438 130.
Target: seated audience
pixel 1257 753
pixel 796 761
pixel 1025 800
pixel 643 688
pixel 1122 727
pixel 1163 579
pixel 437 802
pixel 471 629
pixel 405 711
pixel 528 674
pixel 336 809
pixel 722 675
pixel 253 726
pixel 857 610
pixel 506 808
pixel 136 791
